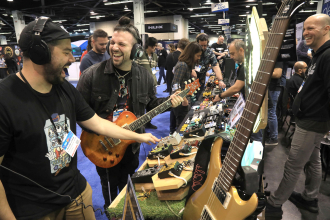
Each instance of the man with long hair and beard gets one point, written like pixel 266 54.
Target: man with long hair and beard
pixel 121 84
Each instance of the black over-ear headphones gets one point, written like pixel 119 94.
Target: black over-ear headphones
pixel 137 50
pixel 38 49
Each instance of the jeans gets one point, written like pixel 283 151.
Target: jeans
pixel 272 117
pixel 161 74
pixel 177 116
pixel 305 147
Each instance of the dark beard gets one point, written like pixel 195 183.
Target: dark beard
pixel 53 75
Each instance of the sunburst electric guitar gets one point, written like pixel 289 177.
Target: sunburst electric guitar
pixel 217 199
pixel 107 152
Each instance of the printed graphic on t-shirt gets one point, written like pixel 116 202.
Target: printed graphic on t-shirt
pixel 58 158
pixel 311 69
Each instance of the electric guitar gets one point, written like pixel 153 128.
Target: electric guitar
pixel 107 152
pixel 217 199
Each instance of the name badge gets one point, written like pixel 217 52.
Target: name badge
pixel 70 143
pixel 302 85
pixel 198 68
pixel 154 71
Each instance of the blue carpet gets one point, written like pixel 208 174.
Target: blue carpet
pixel 88 170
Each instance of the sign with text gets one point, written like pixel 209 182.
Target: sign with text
pixel 161 28
pixel 236 111
pixel 223 21
pixel 219 7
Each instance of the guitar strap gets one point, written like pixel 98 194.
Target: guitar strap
pixel 202 160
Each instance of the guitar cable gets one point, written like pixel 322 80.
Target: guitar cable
pixel 72 200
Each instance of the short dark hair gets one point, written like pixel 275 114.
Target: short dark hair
pixel 188 55
pixel 125 25
pixel 151 41
pixel 202 37
pixel 183 43
pixel 99 33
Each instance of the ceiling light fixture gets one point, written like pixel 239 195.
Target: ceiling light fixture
pixel 117 2
pixel 208 2
pixel 126 9
pixel 202 15
pixel 248 6
pixel 150 11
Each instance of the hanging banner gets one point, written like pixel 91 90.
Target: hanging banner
pixel 219 7
pixel 223 21
pixel 326 7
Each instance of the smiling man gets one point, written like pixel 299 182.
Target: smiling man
pixel 39 111
pixel 311 108
pixel 119 84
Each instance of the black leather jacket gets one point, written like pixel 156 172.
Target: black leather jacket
pixel 99 86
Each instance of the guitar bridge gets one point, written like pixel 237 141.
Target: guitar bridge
pixel 206 214
pixel 223 196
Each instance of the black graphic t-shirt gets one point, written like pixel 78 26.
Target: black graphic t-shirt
pixel 28 143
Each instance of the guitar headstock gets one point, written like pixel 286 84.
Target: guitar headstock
pixel 289 7
pixel 193 86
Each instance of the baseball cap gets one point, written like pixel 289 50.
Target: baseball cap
pixel 50 32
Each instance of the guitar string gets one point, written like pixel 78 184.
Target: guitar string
pixel 256 85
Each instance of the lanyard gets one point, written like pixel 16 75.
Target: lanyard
pixel 149 58
pixel 46 110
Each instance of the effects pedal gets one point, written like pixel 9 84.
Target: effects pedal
pixel 144 176
pixel 160 152
pixel 168 170
pixel 197 130
pixel 181 151
pixel 173 139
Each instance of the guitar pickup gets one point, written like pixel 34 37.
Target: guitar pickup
pixel 103 145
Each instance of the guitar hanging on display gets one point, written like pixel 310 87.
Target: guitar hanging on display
pixel 107 152
pixel 217 199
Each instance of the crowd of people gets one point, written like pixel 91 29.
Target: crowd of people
pixel 40 108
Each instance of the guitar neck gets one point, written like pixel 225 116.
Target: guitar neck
pixel 154 112
pixel 254 100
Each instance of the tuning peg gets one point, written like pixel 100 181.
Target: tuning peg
pixel 198 89
pixel 193 79
pixel 195 92
pixel 185 82
pixel 189 80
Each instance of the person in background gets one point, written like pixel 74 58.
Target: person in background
pixel 274 90
pixel 208 58
pixel 171 61
pixel 302 52
pixel 98 52
pixel 220 50
pixel 89 47
pixel 12 66
pixel 162 54
pixel 312 117
pixel 3 71
pixel 172 48
pixel 182 73
pixel 297 79
pixel 149 61
pixel 136 94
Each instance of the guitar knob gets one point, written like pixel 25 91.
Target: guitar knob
pixel 104 159
pixel 110 153
pixel 112 161
pixel 117 155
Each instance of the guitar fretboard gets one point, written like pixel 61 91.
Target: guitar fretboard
pixel 255 98
pixel 154 112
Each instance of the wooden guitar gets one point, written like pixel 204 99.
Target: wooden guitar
pixel 217 199
pixel 107 152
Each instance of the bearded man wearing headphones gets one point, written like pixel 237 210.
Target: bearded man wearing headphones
pixel 119 84
pixel 39 111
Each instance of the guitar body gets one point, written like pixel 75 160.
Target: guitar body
pixel 204 197
pixel 97 154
